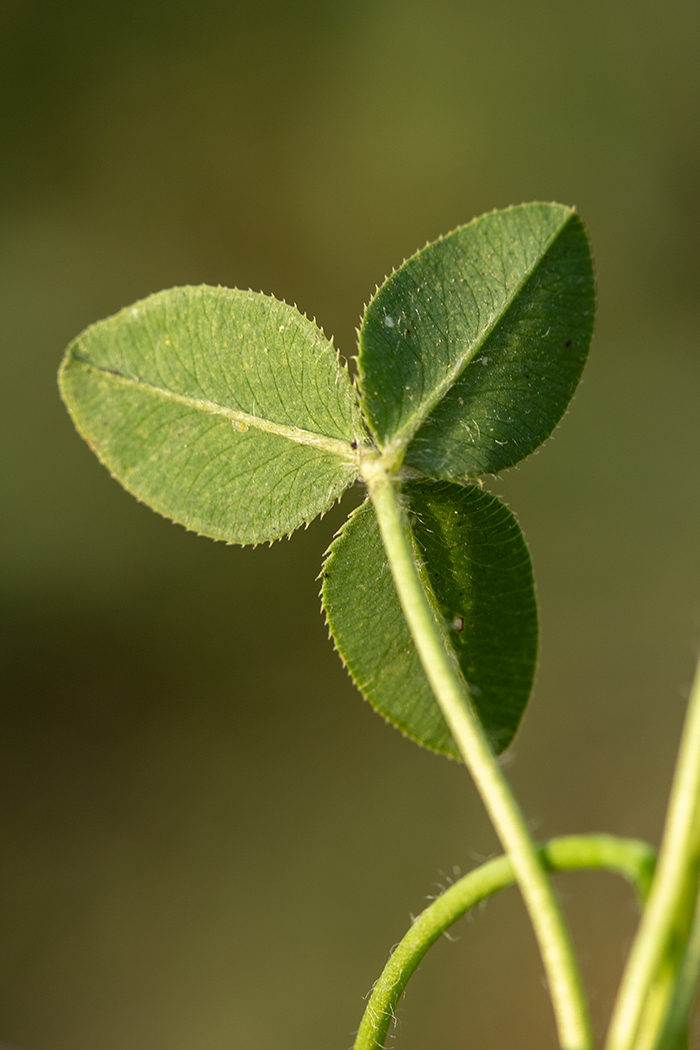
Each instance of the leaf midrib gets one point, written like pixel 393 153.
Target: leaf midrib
pixel 342 449
pixel 402 437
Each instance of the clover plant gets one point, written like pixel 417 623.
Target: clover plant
pixel 232 414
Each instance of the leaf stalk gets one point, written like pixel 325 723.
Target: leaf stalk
pixel 452 695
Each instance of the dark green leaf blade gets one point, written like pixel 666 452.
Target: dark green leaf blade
pixel 227 411
pixel 478 566
pixel 482 337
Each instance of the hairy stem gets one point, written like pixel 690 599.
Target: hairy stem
pixel 451 693
pixel 630 858
pixel 647 989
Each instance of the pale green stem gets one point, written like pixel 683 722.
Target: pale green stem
pixel 659 945
pixel 675 1033
pixel 660 1016
pixel 451 693
pixel 630 858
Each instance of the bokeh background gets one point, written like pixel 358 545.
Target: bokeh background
pixel 209 841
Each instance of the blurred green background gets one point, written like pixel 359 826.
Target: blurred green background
pixel 209 842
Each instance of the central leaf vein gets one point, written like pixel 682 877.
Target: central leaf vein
pixel 342 449
pixel 404 435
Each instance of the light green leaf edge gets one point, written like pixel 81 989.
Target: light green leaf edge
pixel 472 349
pixel 227 411
pixel 478 574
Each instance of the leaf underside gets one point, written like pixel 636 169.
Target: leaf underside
pixel 471 351
pixel 478 568
pixel 227 411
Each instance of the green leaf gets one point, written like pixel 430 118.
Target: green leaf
pixel 227 411
pixel 471 351
pixel 476 563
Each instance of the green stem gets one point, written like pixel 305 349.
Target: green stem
pixel 632 859
pixel 675 1033
pixel 660 1024
pixel 647 987
pixel 451 693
